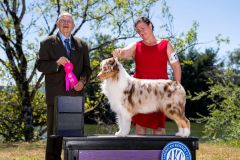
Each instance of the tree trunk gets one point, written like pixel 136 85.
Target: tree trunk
pixel 27 112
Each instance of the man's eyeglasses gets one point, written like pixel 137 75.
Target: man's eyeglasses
pixel 65 21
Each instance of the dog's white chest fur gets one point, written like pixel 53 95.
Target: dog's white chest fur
pixel 114 91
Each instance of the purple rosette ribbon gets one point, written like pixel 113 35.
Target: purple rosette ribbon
pixel 70 77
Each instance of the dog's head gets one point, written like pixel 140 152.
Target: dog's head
pixel 109 68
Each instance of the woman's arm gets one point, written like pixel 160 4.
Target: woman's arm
pixel 174 62
pixel 126 52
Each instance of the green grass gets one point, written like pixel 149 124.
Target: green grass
pixel 171 129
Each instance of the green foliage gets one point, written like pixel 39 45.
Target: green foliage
pixel 223 123
pixel 234 59
pixel 221 39
pixel 11 126
pixel 11 122
pixel 39 114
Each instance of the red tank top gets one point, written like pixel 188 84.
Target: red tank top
pixel 151 61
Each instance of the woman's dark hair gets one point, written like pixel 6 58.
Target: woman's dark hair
pixel 144 20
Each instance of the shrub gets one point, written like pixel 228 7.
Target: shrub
pixel 223 123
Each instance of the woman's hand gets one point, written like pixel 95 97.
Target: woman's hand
pixel 117 53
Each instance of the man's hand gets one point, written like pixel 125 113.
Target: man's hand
pixel 62 61
pixel 79 86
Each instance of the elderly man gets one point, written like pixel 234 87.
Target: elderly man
pixel 55 51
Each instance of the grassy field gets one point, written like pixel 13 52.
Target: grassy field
pixel 35 150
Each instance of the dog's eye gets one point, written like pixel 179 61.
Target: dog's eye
pixel 112 62
pixel 104 68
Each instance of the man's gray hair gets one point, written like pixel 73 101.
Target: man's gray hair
pixel 65 14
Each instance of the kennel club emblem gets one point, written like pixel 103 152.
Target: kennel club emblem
pixel 176 151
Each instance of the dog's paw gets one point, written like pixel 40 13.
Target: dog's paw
pixel 117 133
pixel 120 134
pixel 186 132
pixel 183 132
pixel 180 133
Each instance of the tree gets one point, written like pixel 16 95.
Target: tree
pixel 20 18
pixel 195 76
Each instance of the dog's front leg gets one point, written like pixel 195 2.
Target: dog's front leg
pixel 124 124
pixel 118 119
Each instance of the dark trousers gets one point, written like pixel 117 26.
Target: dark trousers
pixel 54 142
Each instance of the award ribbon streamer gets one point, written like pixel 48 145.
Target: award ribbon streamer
pixel 70 78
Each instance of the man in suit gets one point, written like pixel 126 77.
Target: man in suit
pixel 55 51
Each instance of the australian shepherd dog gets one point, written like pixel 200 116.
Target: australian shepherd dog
pixel 129 96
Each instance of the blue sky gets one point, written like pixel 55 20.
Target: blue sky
pixel 214 17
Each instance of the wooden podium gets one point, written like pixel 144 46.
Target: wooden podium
pixel 132 147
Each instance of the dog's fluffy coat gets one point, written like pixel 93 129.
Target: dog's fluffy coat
pixel 129 96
